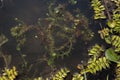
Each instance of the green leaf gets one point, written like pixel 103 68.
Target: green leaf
pixel 107 39
pixel 111 24
pixel 112 56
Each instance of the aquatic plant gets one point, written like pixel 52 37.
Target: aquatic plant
pixel 117 72
pixel 97 61
pixel 105 34
pixel 59 38
pixel 6 58
pixel 110 33
pixel 116 42
pixel 112 56
pixel 67 28
pixel 58 31
pixel 9 74
pixel 98 9
pixel 18 32
pixel 97 65
pixel 77 76
pixel 96 51
pixel 61 74
pixel 115 22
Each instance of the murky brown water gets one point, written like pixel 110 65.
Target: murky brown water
pixel 29 11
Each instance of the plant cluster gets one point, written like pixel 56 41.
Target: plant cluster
pixel 100 58
pixel 98 9
pixel 9 74
pixel 110 33
pixel 77 76
pixel 58 31
pixel 64 27
pixel 61 74
pixel 118 72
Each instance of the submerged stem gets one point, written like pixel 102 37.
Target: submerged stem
pixel 107 10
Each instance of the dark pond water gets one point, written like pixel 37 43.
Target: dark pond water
pixel 29 11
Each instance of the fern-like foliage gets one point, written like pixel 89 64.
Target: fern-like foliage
pixel 95 51
pixel 115 22
pixel 117 2
pixel 61 74
pixel 116 42
pixel 98 65
pixel 98 9
pixel 111 35
pixel 105 34
pixel 9 74
pixel 116 17
pixel 118 72
pixel 77 76
pixel 96 62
